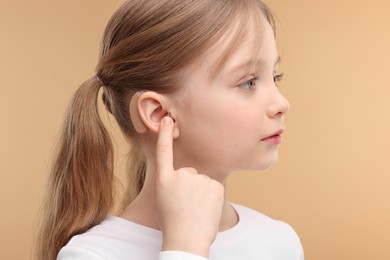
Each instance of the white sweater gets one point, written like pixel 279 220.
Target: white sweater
pixel 255 236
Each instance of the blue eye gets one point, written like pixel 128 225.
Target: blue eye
pixel 250 84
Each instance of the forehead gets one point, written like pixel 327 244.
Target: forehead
pixel 257 48
pixel 248 42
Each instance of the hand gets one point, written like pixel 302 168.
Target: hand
pixel 189 204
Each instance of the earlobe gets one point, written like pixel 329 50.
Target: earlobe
pixel 147 109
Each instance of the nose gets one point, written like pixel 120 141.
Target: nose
pixel 278 106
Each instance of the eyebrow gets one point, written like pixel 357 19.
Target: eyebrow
pixel 250 62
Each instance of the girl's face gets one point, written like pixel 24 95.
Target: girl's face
pixel 223 122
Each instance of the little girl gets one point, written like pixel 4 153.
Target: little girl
pixel 191 84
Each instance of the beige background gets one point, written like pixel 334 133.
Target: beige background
pixel 332 183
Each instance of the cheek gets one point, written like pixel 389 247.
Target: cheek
pixel 225 116
pixel 224 129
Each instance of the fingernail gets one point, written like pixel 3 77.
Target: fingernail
pixel 167 120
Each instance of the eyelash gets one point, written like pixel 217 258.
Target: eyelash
pixel 278 77
pixel 251 81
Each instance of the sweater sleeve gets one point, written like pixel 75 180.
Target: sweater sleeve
pixel 178 255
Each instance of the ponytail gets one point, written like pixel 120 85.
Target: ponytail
pixel 80 185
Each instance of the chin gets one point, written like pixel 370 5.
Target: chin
pixel 259 163
pixel 264 164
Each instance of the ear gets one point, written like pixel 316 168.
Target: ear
pixel 147 109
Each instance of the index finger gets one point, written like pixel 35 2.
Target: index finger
pixel 164 149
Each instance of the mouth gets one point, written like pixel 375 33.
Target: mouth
pixel 275 138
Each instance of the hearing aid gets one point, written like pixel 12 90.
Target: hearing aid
pixel 139 126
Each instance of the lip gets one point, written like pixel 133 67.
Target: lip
pixel 275 137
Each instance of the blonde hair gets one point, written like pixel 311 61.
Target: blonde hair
pixel 145 46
